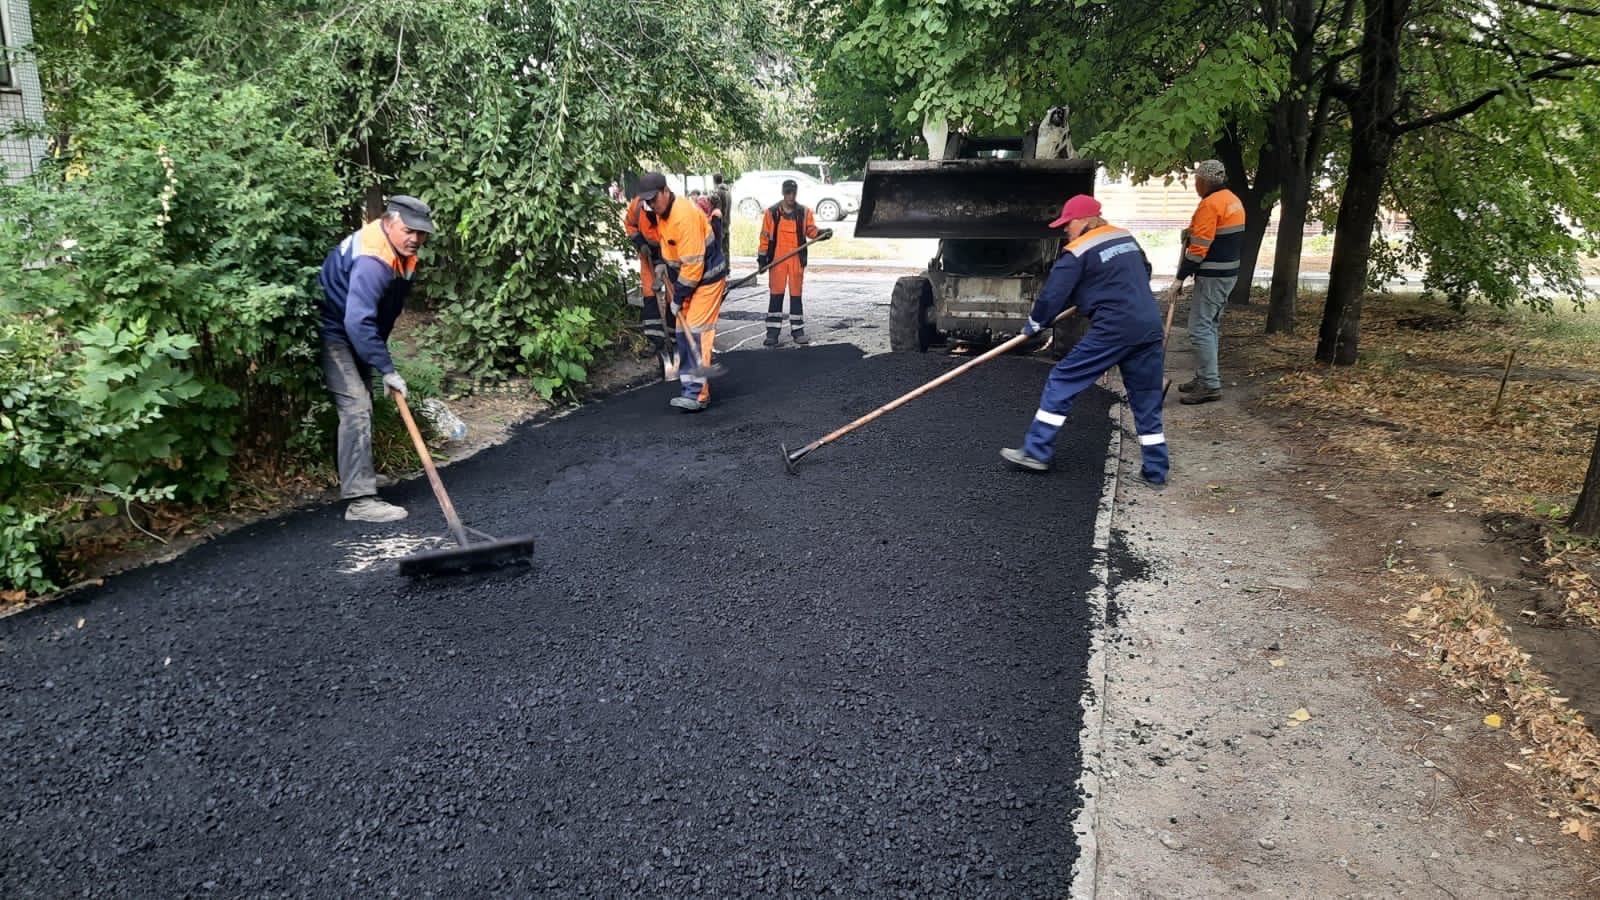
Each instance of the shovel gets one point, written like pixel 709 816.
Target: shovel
pixel 466 556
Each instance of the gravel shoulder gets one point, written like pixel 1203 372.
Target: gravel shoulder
pixel 1264 731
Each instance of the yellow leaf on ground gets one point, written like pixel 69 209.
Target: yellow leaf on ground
pixel 1301 715
pixel 1413 614
pixel 1276 663
pixel 1492 720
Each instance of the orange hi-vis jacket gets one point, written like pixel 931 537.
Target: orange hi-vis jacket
pixel 782 232
pixel 1216 237
pixel 640 225
pixel 690 249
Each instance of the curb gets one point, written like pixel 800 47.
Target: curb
pixel 1091 742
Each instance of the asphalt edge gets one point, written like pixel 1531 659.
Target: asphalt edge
pixel 1091 742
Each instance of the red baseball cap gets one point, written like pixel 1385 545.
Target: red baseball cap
pixel 1081 206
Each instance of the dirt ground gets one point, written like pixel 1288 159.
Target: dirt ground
pixel 1268 726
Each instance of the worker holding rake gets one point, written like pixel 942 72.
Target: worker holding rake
pixel 1105 274
pixel 697 272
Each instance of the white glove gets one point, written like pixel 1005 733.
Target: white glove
pixel 1032 328
pixel 395 383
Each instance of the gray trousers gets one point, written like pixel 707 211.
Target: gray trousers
pixel 1206 305
pixel 349 380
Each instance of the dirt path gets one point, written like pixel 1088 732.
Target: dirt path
pixel 1265 731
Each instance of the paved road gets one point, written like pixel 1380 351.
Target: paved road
pixel 718 678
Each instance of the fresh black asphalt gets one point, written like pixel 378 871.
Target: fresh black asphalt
pixel 717 679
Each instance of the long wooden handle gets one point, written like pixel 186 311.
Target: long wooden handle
pixel 907 398
pixel 1172 304
pixel 754 275
pixel 433 473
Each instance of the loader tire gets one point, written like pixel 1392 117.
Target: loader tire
pixel 911 317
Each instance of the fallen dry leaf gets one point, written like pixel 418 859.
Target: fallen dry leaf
pixel 1492 720
pixel 1300 715
pixel 1276 663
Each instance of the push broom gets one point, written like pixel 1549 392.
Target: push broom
pixel 466 556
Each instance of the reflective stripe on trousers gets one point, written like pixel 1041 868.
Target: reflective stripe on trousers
pixel 1141 367
pixel 697 336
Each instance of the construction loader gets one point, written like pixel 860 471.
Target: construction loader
pixel 989 201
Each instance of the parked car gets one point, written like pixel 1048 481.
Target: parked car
pixel 757 190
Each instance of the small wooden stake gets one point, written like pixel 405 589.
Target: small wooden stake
pixel 1503 376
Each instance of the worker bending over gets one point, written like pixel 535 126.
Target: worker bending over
pixel 1105 274
pixel 639 222
pixel 697 271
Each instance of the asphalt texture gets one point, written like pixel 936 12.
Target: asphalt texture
pixel 718 678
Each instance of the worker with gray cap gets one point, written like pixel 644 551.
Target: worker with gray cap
pixel 365 281
pixel 1211 255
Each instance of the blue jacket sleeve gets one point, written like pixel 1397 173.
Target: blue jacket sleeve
pixel 369 278
pixel 1057 290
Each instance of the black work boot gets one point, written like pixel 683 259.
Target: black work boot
pixel 772 338
pixel 800 338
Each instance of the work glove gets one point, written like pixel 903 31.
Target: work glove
pixel 662 274
pixel 1032 328
pixel 395 384
pixel 763 260
pixel 824 234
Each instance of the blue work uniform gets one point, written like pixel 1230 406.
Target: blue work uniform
pixel 1105 274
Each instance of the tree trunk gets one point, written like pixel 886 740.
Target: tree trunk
pixel 1372 141
pixel 1585 518
pixel 1256 220
pixel 1294 139
pixel 1586 514
pixel 1285 288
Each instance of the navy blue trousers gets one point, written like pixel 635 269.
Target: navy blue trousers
pixel 1142 368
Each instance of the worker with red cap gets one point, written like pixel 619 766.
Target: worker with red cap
pixel 1104 273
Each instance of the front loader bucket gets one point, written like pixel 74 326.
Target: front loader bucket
pixel 969 198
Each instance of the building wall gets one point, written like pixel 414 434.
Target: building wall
pixel 20 100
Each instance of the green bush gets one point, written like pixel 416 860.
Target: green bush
pixel 162 318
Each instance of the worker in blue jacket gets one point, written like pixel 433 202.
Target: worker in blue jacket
pixel 365 281
pixel 1104 273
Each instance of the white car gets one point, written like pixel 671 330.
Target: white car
pixel 757 190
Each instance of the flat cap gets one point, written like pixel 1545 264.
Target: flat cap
pixel 413 212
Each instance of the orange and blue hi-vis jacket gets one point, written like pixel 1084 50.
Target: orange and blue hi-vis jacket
pixel 1216 237
pixel 1105 274
pixel 365 282
pixel 640 225
pixel 690 248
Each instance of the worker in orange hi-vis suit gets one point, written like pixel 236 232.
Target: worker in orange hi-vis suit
pixel 785 227
pixel 640 224
pixel 697 267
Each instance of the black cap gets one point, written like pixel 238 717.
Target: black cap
pixel 650 183
pixel 413 212
pixel 789 186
